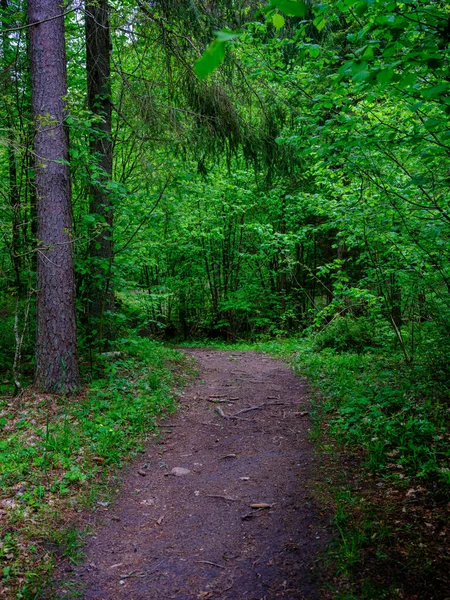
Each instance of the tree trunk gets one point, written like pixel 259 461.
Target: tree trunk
pixel 98 49
pixel 14 197
pixel 56 343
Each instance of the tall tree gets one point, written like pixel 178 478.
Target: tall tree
pixel 56 343
pixel 98 65
pixel 13 193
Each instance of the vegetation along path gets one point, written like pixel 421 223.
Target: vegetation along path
pixel 221 508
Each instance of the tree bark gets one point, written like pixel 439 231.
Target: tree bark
pixel 56 343
pixel 98 65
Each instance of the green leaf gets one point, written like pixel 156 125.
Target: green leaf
pixel 361 76
pixel 319 23
pixel 278 21
pixel 227 36
pixel 385 76
pixel 435 91
pixel 361 8
pixel 211 59
pixel 407 81
pixel 290 7
pixel 368 53
pixel 314 50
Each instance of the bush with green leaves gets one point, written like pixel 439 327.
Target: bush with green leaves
pixel 346 333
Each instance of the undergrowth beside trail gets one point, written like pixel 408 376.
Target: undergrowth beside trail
pixel 60 454
pixel 382 428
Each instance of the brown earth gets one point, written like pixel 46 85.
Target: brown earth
pixel 242 434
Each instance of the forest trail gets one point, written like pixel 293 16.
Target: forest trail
pixel 194 534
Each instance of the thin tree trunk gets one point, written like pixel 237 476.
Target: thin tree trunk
pixel 14 196
pixel 98 64
pixel 56 343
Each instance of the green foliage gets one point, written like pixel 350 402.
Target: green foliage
pixel 345 333
pixel 397 413
pixel 291 8
pixel 211 59
pixel 53 453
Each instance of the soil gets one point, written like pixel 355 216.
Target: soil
pixel 239 439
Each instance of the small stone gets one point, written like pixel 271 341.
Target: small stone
pixel 179 471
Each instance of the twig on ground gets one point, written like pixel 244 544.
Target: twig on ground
pixel 220 412
pixel 252 514
pixel 217 401
pixel 208 562
pixel 244 410
pixel 228 417
pixel 222 497
pixel 132 574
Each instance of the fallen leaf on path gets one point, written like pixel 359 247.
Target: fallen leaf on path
pixel 228 456
pixel 99 460
pixel 261 505
pixel 142 473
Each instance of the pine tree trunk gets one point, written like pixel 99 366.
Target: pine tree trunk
pixel 98 50
pixel 56 342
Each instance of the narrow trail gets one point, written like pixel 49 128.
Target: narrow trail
pixel 192 533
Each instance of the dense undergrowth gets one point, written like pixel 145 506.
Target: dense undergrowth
pixel 60 454
pixel 381 426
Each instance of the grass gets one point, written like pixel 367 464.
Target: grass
pixel 59 454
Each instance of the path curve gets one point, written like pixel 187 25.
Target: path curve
pixel 195 535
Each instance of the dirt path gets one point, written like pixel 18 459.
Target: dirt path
pixel 195 535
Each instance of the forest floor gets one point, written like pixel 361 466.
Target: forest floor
pixel 223 505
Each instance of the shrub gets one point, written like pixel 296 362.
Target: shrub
pixel 346 333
